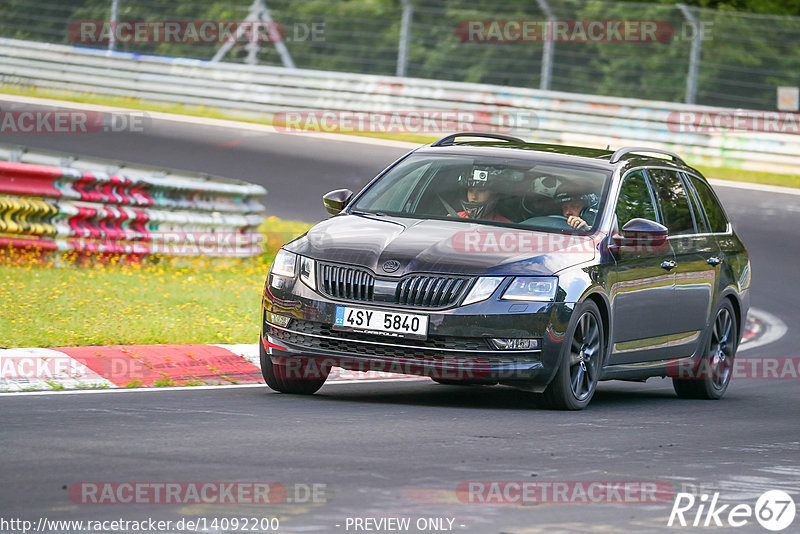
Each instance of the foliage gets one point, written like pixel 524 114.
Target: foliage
pixel 746 52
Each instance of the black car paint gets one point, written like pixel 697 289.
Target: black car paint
pixel 650 315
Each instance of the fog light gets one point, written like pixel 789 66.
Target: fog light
pixel 514 344
pixel 280 320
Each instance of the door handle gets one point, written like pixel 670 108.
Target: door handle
pixel 668 264
pixel 713 260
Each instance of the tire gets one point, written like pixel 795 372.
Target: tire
pixel 580 363
pixel 715 369
pixel 276 379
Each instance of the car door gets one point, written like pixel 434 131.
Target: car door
pixel 641 289
pixel 695 277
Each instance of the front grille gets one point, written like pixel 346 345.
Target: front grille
pixel 343 282
pixel 465 344
pixel 348 283
pixel 354 345
pixel 429 291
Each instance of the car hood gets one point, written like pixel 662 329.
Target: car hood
pixel 440 246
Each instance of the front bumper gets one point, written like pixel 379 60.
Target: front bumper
pixel 297 322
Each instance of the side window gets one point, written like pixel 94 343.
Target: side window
pixel 634 200
pixel 673 201
pixel 714 213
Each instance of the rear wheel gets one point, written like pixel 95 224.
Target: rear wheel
pixel 300 376
pixel 581 360
pixel 713 373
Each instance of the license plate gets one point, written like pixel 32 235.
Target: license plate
pixel 385 323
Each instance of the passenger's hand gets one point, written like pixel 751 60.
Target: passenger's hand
pixel 577 223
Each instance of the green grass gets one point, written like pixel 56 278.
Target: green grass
pixel 176 301
pixel 721 173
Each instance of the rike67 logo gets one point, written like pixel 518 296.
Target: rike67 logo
pixel 774 510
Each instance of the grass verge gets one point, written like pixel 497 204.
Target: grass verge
pixel 175 300
pixel 721 173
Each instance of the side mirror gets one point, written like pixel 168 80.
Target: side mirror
pixel 335 201
pixel 641 236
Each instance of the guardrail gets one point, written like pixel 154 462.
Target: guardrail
pixel 54 202
pixel 263 91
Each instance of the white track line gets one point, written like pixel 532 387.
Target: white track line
pixel 775 329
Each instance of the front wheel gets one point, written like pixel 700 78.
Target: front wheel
pixel 714 371
pixel 301 376
pixel 580 363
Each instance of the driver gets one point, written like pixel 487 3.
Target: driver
pixel 481 201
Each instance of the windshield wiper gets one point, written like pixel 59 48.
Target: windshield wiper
pixel 362 212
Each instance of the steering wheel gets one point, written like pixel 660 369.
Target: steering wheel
pixel 548 222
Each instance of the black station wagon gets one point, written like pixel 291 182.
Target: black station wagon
pixel 484 259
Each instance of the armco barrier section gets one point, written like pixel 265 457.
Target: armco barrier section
pixel 238 89
pixel 52 202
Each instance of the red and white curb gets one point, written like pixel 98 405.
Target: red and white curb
pixel 132 366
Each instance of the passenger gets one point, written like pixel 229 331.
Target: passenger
pixel 540 199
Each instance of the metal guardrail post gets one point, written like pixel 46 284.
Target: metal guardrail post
pixel 405 31
pixel 112 38
pixel 549 46
pixel 694 56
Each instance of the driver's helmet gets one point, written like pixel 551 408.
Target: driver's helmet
pixel 590 203
pixel 481 177
pixel 587 198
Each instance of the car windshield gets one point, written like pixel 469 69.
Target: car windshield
pixel 519 193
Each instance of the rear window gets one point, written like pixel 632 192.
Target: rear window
pixel 673 201
pixel 711 206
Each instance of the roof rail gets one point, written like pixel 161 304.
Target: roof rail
pixel 622 152
pixel 450 139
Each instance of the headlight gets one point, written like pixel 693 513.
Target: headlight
pixel 532 288
pixel 482 289
pixel 284 264
pixel 307 272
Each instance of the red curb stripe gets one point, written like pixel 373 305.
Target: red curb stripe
pixel 146 364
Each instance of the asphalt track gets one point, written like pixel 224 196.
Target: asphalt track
pixel 400 449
